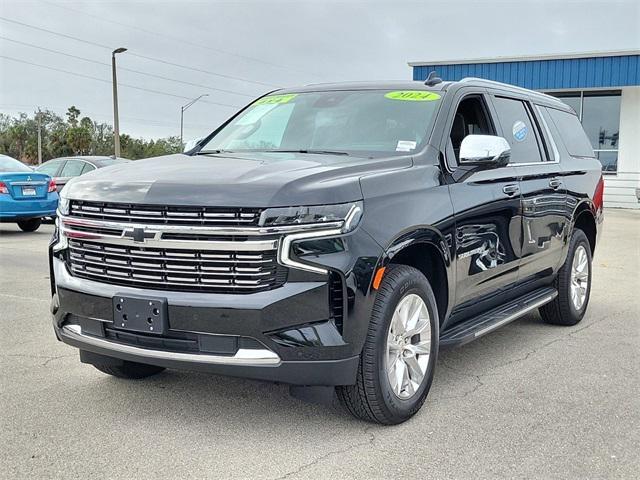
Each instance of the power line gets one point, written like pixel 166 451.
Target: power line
pixel 175 39
pixel 153 59
pixel 186 67
pixel 125 68
pixel 103 116
pixel 109 82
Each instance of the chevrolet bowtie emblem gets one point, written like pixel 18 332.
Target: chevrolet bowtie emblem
pixel 138 235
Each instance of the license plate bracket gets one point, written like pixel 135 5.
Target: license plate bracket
pixel 28 191
pixel 140 314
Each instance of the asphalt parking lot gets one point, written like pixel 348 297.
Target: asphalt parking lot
pixel 529 400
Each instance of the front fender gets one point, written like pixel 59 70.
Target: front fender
pixel 433 248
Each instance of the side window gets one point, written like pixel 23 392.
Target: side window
pixel 87 168
pixel 72 168
pixel 470 119
pixel 519 130
pixel 50 168
pixel 573 136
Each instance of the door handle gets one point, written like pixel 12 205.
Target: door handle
pixel 511 190
pixel 555 183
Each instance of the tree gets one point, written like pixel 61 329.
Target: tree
pixel 76 135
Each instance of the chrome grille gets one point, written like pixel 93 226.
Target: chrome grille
pixel 165 214
pixel 176 269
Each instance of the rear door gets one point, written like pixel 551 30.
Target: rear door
pixel 543 190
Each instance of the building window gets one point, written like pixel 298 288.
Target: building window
pixel 601 122
pixel 599 112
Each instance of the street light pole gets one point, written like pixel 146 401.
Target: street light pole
pixel 39 137
pixel 116 123
pixel 182 109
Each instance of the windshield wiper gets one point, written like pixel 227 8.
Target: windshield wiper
pixel 210 152
pixel 314 152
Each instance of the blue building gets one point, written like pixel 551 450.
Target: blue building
pixel 604 90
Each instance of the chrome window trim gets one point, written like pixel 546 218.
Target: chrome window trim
pixel 244 356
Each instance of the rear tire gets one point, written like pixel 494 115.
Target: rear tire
pixel 574 287
pixel 29 225
pixel 388 351
pixel 130 370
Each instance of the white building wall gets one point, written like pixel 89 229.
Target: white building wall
pixel 622 190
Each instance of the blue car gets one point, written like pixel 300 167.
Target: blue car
pixel 25 196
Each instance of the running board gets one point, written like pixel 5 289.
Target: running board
pixel 475 327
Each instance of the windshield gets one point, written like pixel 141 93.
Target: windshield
pixel 357 122
pixel 8 164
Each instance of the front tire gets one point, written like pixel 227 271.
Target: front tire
pixel 573 284
pixel 29 225
pixel 130 370
pixel 397 362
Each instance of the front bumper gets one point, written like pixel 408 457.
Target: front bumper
pixel 285 334
pixel 245 364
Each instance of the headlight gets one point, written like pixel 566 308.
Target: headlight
pixel 329 220
pixel 63 205
pixel 344 216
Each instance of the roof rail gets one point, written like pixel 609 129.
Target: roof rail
pixel 484 81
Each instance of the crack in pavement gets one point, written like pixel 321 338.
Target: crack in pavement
pixel 491 371
pixel 479 383
pixel 49 358
pixel 349 448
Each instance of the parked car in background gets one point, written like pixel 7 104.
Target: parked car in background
pixel 65 168
pixel 25 196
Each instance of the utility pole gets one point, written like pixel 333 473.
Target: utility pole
pixel 39 136
pixel 182 109
pixel 116 125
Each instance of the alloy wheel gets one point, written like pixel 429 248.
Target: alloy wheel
pixel 579 277
pixel 408 346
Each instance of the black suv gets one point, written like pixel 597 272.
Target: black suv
pixel 333 237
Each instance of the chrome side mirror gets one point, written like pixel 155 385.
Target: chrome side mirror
pixel 487 150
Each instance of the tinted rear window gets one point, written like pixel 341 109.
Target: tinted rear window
pixel 573 136
pixel 8 164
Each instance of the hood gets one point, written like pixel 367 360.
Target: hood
pixel 254 179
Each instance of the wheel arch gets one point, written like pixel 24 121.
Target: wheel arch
pixel 584 219
pixel 425 249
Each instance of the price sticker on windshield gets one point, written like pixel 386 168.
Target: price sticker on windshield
pixel 412 96
pixel 275 99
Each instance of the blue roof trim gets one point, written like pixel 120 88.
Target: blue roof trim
pixel 591 72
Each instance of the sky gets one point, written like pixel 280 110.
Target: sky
pixel 236 50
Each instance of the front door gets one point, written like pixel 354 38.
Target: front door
pixel 486 205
